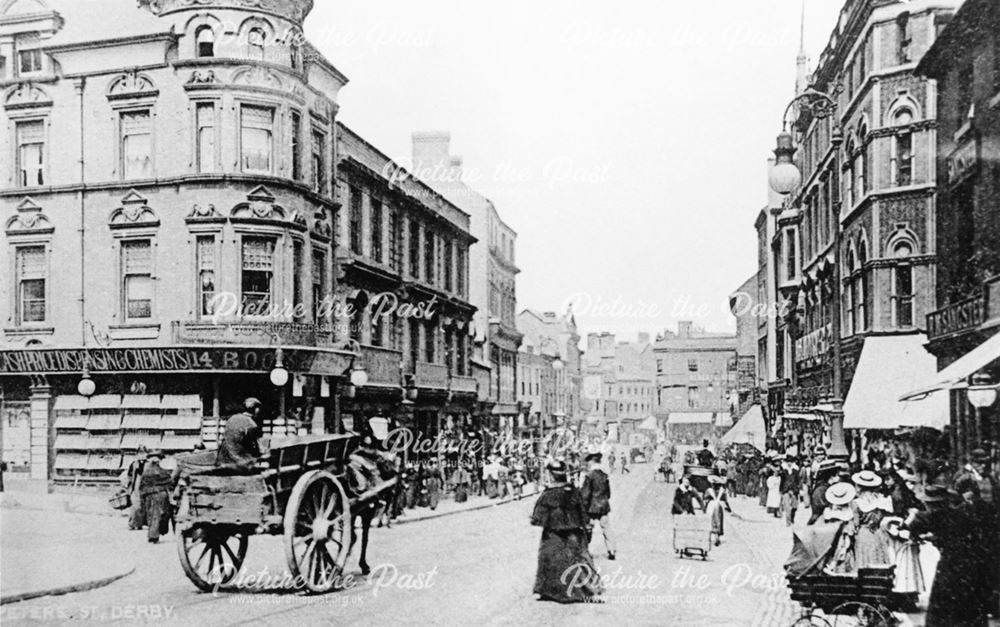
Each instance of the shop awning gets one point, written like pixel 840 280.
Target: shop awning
pixel 889 365
pixel 649 424
pixel 805 416
pixel 748 430
pixel 963 368
pixel 724 419
pixel 691 417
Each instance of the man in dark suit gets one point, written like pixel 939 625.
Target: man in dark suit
pixel 596 493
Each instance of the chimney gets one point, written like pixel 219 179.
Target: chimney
pixel 432 159
pixel 684 328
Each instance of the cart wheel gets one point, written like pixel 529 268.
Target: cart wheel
pixel 317 530
pixel 811 620
pixel 211 555
pixel 856 614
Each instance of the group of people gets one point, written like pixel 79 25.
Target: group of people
pixel 568 515
pixel 149 486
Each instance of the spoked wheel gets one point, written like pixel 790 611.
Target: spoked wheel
pixel 211 555
pixel 317 531
pixel 811 620
pixel 854 614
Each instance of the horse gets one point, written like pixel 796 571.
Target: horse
pixel 368 471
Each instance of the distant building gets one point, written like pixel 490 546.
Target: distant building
pixel 695 370
pixel 619 384
pixel 555 337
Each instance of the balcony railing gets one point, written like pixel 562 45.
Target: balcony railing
pixel 962 316
pixel 288 333
pixel 384 366
pixel 432 375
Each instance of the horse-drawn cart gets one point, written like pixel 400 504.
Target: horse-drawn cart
pixel 299 491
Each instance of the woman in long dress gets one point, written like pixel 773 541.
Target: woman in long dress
pixel 871 546
pixel 566 571
pixel 840 512
pixel 716 504
pixel 773 502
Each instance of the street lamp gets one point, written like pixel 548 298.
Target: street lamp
pixel 784 179
pixel 279 375
pixel 982 393
pixel 86 387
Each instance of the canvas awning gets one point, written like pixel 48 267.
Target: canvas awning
pixel 963 368
pixel 889 365
pixel 807 417
pixel 690 417
pixel 649 424
pixel 748 430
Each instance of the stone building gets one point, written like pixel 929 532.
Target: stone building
pixel 873 191
pixel 555 337
pixel 962 331
pixel 403 264
pixel 619 383
pixel 493 272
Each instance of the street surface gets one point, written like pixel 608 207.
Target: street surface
pixel 472 568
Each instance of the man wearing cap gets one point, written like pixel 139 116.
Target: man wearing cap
pixel 240 448
pixel 596 493
pixel 155 486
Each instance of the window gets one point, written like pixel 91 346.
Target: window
pixel 30 272
pixel 964 94
pixel 256 138
pixel 849 180
pixel 206 138
pixel 903 38
pixel 258 275
pixel 693 365
pixel 355 219
pixel 902 286
pixel 414 249
pixel 205 263
pixel 318 281
pixel 205 42
pixel 319 160
pixel 791 256
pixel 862 166
pixel 378 329
pixel 448 270
pixel 693 397
pixel 865 311
pixel 298 272
pixel 376 230
pixel 256 40
pixel 395 257
pixel 29 61
pixel 414 326
pixel 460 355
pixel 296 145
pixel 902 153
pixel 136 146
pixel 430 256
pixel 137 279
pixel 460 270
pixel 31 153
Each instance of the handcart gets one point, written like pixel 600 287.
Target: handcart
pixel 692 535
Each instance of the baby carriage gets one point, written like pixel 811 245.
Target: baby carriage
pixel 828 599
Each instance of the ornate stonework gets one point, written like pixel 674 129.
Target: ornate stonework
pixel 203 212
pixel 29 219
pixel 134 212
pixel 131 84
pixel 260 205
pixel 256 76
pixel 295 10
pixel 26 95
pixel 202 77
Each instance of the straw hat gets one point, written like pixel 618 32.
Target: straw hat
pixel 866 479
pixel 840 494
pixel 716 479
pixel 935 494
pixel 979 455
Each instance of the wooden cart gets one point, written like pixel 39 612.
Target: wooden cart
pixel 300 493
pixel 863 598
pixel 692 535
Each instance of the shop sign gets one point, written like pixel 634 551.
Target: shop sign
pixel 810 349
pixel 166 359
pixel 963 161
pixel 962 316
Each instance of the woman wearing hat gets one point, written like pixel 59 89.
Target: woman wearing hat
pixel 870 507
pixel 717 498
pixel 773 483
pixel 566 571
pixel 958 592
pixel 840 496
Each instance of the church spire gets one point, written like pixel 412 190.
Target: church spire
pixel 802 60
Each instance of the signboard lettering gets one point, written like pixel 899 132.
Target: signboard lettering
pixel 138 360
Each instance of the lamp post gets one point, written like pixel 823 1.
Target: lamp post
pixel 784 179
pixel 982 393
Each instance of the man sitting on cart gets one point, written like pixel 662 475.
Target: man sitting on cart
pixel 240 446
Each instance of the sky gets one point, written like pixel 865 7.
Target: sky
pixel 626 143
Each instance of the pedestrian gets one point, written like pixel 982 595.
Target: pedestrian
pixel 566 572
pixel 981 490
pixel 790 488
pixel 611 461
pixel 840 559
pixel 155 486
pixel 705 456
pixel 824 477
pixel 433 481
pixel 596 493
pixel 491 477
pixel 904 550
pixel 130 482
pixel 763 474
pixel 411 480
pixel 240 447
pixel 685 498
pixel 716 504
pixel 462 478
pixel 624 463
pixel 773 492
pixel 958 593
pixel 871 545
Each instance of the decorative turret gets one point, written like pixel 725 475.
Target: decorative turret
pixel 294 10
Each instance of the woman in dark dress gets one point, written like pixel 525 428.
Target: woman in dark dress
pixel 685 498
pixel 957 598
pixel 566 571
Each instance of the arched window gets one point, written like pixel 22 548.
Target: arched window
pixel 860 283
pixel 256 40
pixel 205 42
pixel 902 283
pixel 849 294
pixel 902 148
pixel 861 164
pixel 848 174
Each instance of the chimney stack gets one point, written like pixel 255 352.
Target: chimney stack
pixel 684 328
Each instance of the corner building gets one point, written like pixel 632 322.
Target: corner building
pixel 160 157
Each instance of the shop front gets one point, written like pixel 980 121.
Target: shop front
pixel 90 410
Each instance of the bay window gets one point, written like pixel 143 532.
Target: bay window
pixel 206 137
pixel 256 139
pixel 257 281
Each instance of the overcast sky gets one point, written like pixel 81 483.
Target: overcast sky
pixel 625 142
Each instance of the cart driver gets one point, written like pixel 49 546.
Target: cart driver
pixel 240 447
